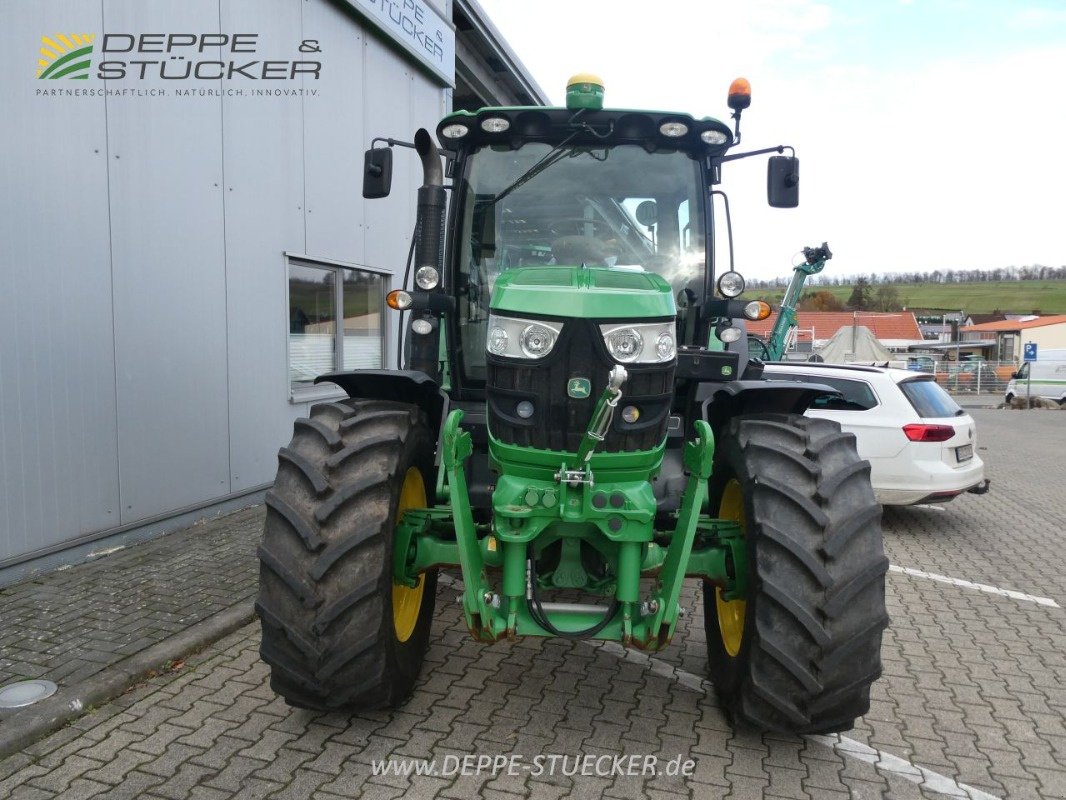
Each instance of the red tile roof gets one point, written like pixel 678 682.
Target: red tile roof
pixel 883 325
pixel 1017 324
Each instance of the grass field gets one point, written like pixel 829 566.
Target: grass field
pixel 1020 297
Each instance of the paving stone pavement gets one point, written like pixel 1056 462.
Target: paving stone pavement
pixel 974 691
pixel 69 624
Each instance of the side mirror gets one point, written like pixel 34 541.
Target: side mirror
pixel 1014 376
pixel 377 172
pixel 782 181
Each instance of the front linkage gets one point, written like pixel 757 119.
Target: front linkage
pixel 596 504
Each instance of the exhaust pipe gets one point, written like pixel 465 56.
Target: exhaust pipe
pixel 421 350
pixel 432 201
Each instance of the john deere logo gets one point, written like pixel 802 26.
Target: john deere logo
pixel 65 55
pixel 579 388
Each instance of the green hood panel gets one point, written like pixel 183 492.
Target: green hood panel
pixel 583 292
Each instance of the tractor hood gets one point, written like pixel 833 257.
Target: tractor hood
pixel 583 292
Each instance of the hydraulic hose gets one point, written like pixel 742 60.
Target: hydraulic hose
pixel 536 610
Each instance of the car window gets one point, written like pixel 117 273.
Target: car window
pixel 929 399
pixel 858 396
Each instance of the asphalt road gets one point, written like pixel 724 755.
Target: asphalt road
pixel 972 702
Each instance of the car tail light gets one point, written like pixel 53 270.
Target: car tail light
pixel 928 433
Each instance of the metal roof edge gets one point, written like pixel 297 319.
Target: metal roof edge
pixel 492 36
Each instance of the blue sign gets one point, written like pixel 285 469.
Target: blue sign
pixel 1030 352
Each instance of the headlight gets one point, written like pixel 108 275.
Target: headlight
pixel 512 337
pixel 495 124
pixel 455 131
pixel 538 340
pixel 673 129
pixel 731 284
pixel 644 343
pixel 729 335
pixel 427 278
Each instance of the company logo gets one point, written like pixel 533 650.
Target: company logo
pixel 579 388
pixel 65 55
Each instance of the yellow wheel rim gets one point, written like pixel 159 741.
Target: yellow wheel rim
pixel 731 612
pixel 407 600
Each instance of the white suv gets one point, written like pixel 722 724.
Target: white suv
pixel 922 447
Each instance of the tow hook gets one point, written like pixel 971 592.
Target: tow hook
pixel 981 488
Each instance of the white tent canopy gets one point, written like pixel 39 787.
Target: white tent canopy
pixel 854 343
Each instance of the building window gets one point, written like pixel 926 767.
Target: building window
pixel 1006 347
pixel 335 320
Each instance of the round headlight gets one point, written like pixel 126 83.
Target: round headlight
pixel 630 414
pixel 427 277
pixel 497 342
pixel 454 131
pixel 673 129
pixel 625 344
pixel 524 409
pixel 714 137
pixel 422 326
pixel 495 124
pixel 729 335
pixel 731 284
pixel 537 341
pixel 665 347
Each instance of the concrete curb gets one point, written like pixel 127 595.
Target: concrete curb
pixel 22 728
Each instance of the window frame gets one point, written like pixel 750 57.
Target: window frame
pixel 312 392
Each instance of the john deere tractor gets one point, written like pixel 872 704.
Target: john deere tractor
pixel 576 428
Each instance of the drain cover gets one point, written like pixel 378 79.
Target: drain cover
pixel 25 693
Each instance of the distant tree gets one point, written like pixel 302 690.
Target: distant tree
pixel 861 295
pixel 820 301
pixel 886 298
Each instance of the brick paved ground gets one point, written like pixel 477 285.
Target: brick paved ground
pixel 71 623
pixel 974 690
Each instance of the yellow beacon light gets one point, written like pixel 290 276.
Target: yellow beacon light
pixel 584 90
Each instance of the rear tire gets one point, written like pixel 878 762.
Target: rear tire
pixel 325 586
pixel 800 657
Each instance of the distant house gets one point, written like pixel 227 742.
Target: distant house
pixel 1005 337
pixel 981 319
pixel 897 330
pixel 937 324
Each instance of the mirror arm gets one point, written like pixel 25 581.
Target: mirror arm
pixel 779 149
pixel 391 142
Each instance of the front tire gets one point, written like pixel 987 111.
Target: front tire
pixel 337 632
pixel 800 653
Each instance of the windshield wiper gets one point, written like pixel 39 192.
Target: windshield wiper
pixel 553 156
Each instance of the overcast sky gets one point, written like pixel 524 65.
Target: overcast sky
pixel 930 132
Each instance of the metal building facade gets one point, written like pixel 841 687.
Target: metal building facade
pixel 144 318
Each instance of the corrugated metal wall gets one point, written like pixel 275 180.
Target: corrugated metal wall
pixel 143 311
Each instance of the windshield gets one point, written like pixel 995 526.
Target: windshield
pixel 619 206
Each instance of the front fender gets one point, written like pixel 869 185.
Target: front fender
pixel 401 386
pixel 734 398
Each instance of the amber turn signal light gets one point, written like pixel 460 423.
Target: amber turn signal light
pixel 399 299
pixel 757 309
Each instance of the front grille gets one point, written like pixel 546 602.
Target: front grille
pixel 559 421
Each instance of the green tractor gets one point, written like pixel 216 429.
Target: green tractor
pixel 577 428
